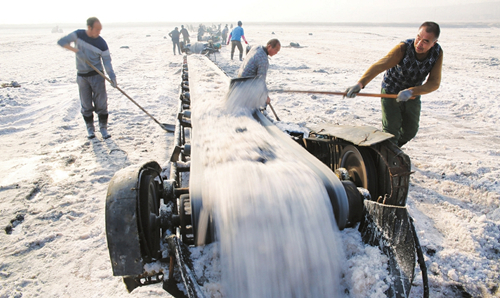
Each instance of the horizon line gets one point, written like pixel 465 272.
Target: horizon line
pixel 445 24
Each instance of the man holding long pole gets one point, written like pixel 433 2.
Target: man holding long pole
pixel 91 48
pixel 406 65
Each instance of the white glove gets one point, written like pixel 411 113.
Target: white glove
pixel 404 95
pixel 352 91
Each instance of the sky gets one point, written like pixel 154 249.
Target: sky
pixel 114 11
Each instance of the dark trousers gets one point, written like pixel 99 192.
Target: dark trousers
pixel 401 119
pixel 176 43
pixel 236 43
pixel 93 95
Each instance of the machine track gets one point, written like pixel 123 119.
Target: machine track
pixel 364 160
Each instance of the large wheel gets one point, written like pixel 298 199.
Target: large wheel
pixel 149 211
pixel 132 228
pixel 360 167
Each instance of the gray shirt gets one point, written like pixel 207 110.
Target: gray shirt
pixel 256 64
pixel 94 50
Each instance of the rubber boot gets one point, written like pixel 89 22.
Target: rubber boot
pixel 103 126
pixel 89 122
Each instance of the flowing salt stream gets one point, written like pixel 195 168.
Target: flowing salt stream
pixel 277 232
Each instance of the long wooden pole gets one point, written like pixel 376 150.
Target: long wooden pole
pixel 272 109
pixel 338 93
pixel 164 126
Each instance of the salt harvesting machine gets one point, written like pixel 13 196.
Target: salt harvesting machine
pixel 366 177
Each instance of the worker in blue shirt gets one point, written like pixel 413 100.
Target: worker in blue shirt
pixel 235 37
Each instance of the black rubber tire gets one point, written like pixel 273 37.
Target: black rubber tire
pixel 149 227
pixel 361 167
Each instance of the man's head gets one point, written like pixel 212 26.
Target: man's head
pixel 427 36
pixel 182 26
pixel 176 28
pixel 273 47
pixel 240 23
pixel 94 27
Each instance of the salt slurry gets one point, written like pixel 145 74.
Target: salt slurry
pixel 277 232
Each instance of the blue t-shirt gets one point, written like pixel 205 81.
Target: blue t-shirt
pixel 237 33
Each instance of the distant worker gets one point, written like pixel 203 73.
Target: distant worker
pixel 201 31
pixel 92 48
pixel 236 35
pixel 407 65
pixel 175 34
pixel 185 35
pixel 256 61
pixel 224 34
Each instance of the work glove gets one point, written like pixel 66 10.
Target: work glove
pixel 352 91
pixel 114 83
pixel 404 95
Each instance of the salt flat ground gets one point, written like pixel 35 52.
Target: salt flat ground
pixel 57 179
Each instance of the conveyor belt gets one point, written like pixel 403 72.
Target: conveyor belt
pixel 242 151
pixel 210 84
pixel 336 191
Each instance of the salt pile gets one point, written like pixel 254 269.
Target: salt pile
pixel 275 224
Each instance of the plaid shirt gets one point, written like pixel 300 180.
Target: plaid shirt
pixel 256 64
pixel 410 72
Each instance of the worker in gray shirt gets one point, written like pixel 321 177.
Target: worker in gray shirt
pixel 256 62
pixel 92 48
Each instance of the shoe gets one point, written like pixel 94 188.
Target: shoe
pixel 90 132
pixel 103 126
pixel 89 122
pixel 104 133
